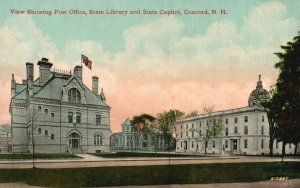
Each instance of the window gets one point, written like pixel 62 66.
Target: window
pixel 78 117
pixel 192 144
pixel 74 95
pixel 187 133
pixel 39 130
pixel 235 120
pixel 180 126
pixel 192 125
pixel 181 134
pixel 214 144
pixel 192 133
pixel 245 143
pixel 70 117
pixel 46 133
pixel 39 108
pixel 262 144
pixel 46 111
pixel 181 144
pixel 52 114
pixel 226 131
pixel 186 126
pixel 226 121
pixel 226 143
pixel 263 118
pixel 200 132
pixel 245 119
pixel 262 130
pixel 52 136
pixel 98 139
pixel 200 124
pixel 98 119
pixel 246 130
pixel 235 130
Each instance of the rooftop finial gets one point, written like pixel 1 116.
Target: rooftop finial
pixel 259 77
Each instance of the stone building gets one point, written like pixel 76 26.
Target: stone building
pixel 129 139
pixel 245 130
pixel 58 112
pixel 5 138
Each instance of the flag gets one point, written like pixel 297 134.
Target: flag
pixel 86 61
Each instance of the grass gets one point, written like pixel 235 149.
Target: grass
pixel 136 154
pixel 15 156
pixel 152 175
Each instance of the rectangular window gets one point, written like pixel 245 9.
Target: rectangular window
pixel 70 117
pixel 39 108
pixel 78 117
pixel 98 119
pixel 246 130
pixel 181 144
pixel 187 133
pixel 245 119
pixel 214 144
pixel 226 121
pixel 52 136
pixel 46 111
pixel 263 118
pixel 262 144
pixel 245 143
pixel 200 124
pixel 52 114
pixel 235 130
pixel 235 120
pixel 181 134
pixel 192 125
pixel 192 144
pixel 226 143
pixel 186 126
pixel 226 131
pixel 262 130
pixel 192 134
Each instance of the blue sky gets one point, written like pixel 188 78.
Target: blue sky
pixel 108 30
pixel 151 63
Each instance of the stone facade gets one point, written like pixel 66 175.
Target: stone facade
pixel 59 112
pixel 245 130
pixel 5 138
pixel 132 140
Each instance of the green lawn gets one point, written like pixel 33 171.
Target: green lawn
pixel 136 154
pixel 37 156
pixel 152 175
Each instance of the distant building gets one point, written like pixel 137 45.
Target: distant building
pixel 129 139
pixel 70 117
pixel 246 130
pixel 5 138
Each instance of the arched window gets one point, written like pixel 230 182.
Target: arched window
pixel 74 95
pixel 39 130
pixel 98 139
pixel 46 132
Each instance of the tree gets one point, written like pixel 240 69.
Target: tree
pixel 213 127
pixel 191 114
pixel 288 93
pixel 271 108
pixel 143 122
pixel 32 115
pixel 166 124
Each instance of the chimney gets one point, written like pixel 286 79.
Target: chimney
pixel 95 85
pixel 45 73
pixel 13 86
pixel 29 71
pixel 78 72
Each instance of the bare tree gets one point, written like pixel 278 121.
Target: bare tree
pixel 213 127
pixel 32 115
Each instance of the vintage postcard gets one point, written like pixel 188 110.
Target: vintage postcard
pixel 149 93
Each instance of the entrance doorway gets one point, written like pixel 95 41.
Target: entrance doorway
pixel 234 144
pixel 74 140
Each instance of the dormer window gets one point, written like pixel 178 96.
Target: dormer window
pixel 74 95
